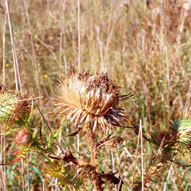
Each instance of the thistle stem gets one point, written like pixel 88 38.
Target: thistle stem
pixel 91 140
pixel 91 144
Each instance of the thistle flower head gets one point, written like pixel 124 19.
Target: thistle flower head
pixel 183 128
pixel 90 100
pixel 12 108
pixel 22 137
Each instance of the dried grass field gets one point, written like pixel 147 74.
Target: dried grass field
pixel 95 95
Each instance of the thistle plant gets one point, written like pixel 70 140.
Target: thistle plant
pixel 177 140
pixel 174 143
pixel 15 119
pixel 14 114
pixel 91 101
pixel 91 104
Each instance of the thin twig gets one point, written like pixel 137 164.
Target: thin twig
pixel 142 160
pixel 58 154
pixel 79 66
pixel 132 159
pixel 23 174
pixel 167 178
pixel 79 40
pixel 138 142
pixel 168 81
pixel 15 61
pixel 34 61
pixel 4 36
pixel 112 161
pixel 3 169
pixel 61 34
pixel 100 49
pixel 187 104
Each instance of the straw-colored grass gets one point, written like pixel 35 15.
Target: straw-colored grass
pixel 145 46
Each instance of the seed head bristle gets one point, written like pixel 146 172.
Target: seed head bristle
pixel 90 100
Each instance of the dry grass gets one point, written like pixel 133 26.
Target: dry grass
pixel 144 45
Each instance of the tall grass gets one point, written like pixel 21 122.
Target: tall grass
pixel 144 45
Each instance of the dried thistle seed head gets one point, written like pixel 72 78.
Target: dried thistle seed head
pixel 183 128
pixel 12 108
pixel 22 137
pixel 90 100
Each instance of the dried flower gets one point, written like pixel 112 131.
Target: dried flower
pixel 22 137
pixel 12 108
pixel 91 100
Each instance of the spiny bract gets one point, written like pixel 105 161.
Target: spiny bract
pixel 22 137
pixel 183 128
pixel 90 100
pixel 12 108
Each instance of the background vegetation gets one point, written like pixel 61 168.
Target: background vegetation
pixel 144 45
